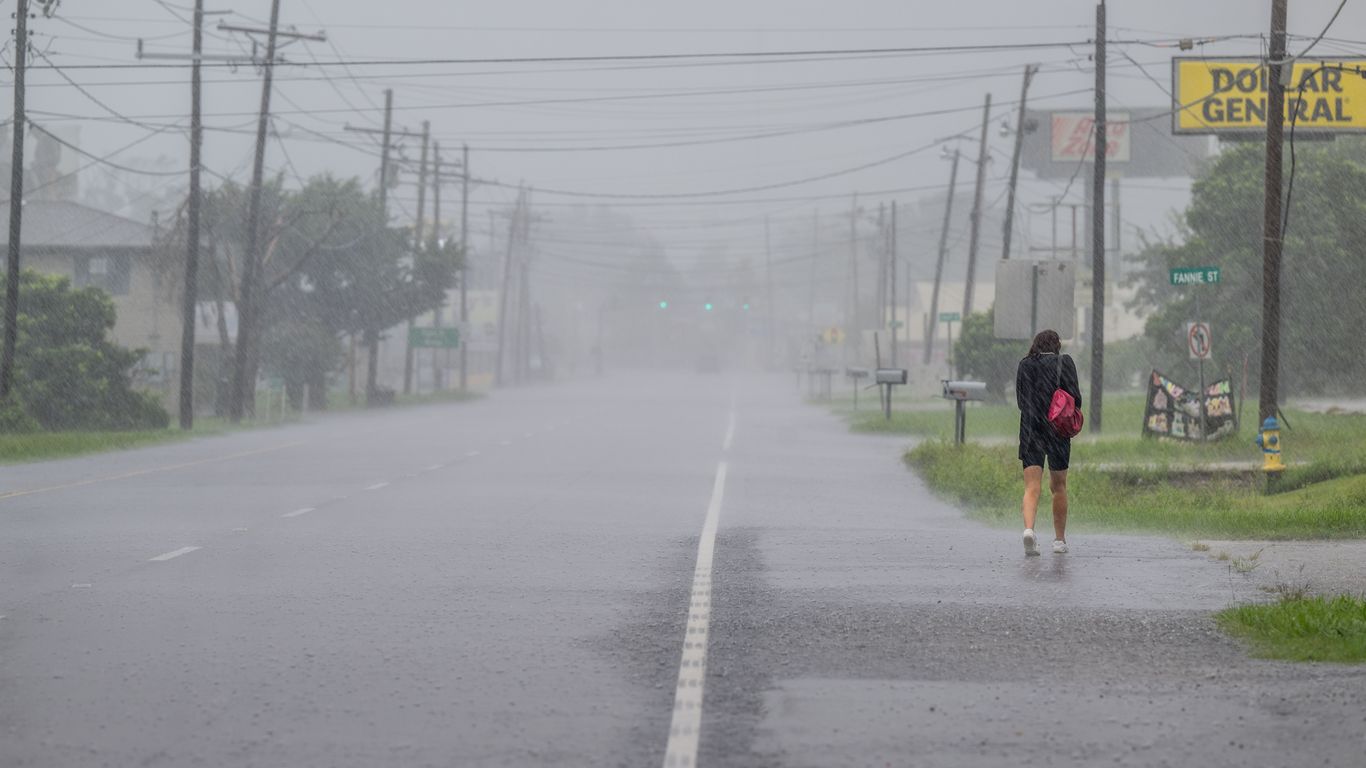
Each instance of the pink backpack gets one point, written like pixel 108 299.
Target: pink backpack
pixel 1067 421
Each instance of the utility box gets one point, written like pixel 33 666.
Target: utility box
pixel 891 376
pixel 965 390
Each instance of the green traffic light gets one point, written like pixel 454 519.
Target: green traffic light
pixel 746 307
pixel 707 306
pixel 663 305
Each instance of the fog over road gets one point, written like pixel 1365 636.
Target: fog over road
pixel 511 582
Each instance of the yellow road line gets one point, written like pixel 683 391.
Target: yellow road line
pixel 150 471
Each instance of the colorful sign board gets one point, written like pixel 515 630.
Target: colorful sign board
pixel 950 317
pixel 1194 275
pixel 1174 411
pixel 1073 135
pixel 1228 95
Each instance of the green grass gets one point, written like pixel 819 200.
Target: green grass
pixel 987 481
pixel 43 446
pixel 1331 629
pixel 16 449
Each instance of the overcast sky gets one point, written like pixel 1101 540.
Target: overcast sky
pixel 519 119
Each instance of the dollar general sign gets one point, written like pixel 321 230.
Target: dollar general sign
pixel 1228 96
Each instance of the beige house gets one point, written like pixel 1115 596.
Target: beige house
pixel 119 255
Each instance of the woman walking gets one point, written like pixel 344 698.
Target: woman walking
pixel 1040 373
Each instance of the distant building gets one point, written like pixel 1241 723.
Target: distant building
pixel 120 256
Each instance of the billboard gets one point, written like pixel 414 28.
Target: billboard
pixel 1228 96
pixel 1073 134
pixel 1153 152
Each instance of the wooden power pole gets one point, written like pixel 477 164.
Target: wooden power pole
pixel 1271 218
pixel 1098 232
pixel 974 236
pixel 16 203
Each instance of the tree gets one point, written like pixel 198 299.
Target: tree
pixel 1322 312
pixel 330 265
pixel 68 374
pixel 979 354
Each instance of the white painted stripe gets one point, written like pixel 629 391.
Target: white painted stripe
pixel 376 486
pixel 298 512
pixel 472 454
pixel 505 442
pixel 686 726
pixel 435 467
pixel 173 554
pixel 730 432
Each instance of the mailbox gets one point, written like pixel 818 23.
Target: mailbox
pixel 890 376
pixel 965 390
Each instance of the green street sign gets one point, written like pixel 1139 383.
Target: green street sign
pixel 434 338
pixel 895 324
pixel 950 317
pixel 1195 276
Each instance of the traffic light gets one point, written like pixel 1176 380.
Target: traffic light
pixel 707 306
pixel 663 305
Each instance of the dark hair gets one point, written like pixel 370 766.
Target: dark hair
pixel 1045 343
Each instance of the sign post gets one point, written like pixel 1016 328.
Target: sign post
pixel 950 318
pixel 1198 337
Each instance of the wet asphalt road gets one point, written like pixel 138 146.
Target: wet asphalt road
pixel 507 583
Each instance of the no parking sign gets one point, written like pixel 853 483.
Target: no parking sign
pixel 1198 341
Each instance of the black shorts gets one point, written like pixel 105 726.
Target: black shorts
pixel 1038 443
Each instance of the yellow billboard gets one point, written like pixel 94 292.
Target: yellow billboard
pixel 1228 95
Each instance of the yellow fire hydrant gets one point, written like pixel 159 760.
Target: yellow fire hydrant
pixel 1270 442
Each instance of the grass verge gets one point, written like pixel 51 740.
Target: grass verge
pixel 43 446
pixel 17 449
pixel 1329 629
pixel 986 481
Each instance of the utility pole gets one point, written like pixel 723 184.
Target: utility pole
pixel 851 319
pixel 503 295
pixel 386 134
pixel 1030 69
pixel 891 283
pixel 372 334
pixel 815 257
pixel 768 294
pixel 187 316
pixel 246 310
pixel 16 203
pixel 418 244
pixel 465 263
pixel 1271 222
pixel 436 242
pixel 973 237
pixel 933 324
pixel 1098 231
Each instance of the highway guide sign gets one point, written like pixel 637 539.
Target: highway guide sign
pixel 434 338
pixel 1194 275
pixel 950 317
pixel 1198 341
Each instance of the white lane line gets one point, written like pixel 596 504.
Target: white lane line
pixel 686 726
pixel 298 512
pixel 505 443
pixel 730 432
pixel 82 585
pixel 472 454
pixel 172 554
pixel 377 486
pixel 434 467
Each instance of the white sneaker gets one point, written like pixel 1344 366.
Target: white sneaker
pixel 1031 544
pixel 1059 547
